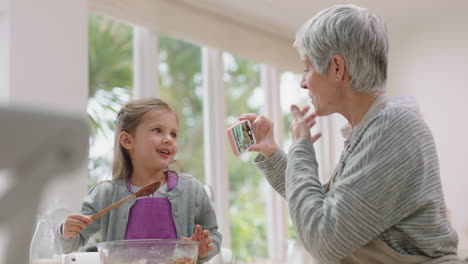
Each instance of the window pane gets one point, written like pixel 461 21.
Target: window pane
pixel 291 93
pixel 247 185
pixel 181 87
pixel 110 82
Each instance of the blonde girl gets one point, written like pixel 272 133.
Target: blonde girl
pixel 145 144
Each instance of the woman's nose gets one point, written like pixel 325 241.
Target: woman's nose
pixel 303 83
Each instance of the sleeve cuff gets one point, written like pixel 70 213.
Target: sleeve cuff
pixel 263 162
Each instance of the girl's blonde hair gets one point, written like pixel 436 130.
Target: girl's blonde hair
pixel 128 118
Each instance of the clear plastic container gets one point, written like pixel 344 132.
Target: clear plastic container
pixel 148 251
pixel 44 247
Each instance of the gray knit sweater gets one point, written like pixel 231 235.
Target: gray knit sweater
pixel 189 202
pixel 386 185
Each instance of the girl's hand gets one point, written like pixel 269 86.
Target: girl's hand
pixel 262 128
pixel 74 224
pixel 302 123
pixel 204 239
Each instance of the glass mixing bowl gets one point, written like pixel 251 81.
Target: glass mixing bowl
pixel 148 251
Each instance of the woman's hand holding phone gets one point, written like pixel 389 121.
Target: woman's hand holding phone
pixel 241 137
pixel 262 128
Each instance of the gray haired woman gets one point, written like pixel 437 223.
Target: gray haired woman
pixel 384 202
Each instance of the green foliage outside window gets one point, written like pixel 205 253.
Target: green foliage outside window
pixel 246 183
pixel 110 57
pixel 181 87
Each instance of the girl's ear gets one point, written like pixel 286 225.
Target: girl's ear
pixel 126 140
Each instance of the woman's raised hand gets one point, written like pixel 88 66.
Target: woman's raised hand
pixel 262 128
pixel 302 123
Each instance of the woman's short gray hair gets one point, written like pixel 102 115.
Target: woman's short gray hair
pixel 354 33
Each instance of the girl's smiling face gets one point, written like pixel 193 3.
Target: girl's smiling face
pixel 154 141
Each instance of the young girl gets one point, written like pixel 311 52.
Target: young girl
pixel 145 143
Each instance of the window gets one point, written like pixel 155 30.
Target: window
pixel 181 87
pixel 110 86
pixel 291 93
pixel 247 210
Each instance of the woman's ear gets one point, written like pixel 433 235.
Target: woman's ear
pixel 338 67
pixel 126 140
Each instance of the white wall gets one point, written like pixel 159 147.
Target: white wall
pixel 429 60
pixel 44 63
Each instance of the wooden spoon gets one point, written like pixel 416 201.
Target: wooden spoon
pixel 145 191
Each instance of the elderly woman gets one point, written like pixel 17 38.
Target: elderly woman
pixel 384 202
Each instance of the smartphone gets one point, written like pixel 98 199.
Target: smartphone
pixel 241 137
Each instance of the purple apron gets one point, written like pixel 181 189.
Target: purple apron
pixel 151 218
